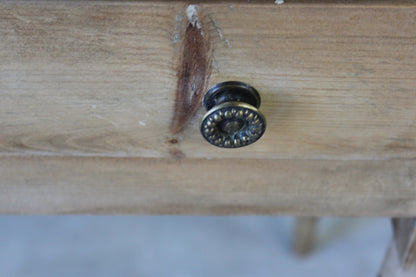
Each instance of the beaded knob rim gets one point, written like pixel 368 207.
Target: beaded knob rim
pixel 233 125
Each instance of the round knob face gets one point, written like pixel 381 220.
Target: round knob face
pixel 233 125
pixel 233 119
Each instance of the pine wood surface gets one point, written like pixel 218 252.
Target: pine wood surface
pixel 87 103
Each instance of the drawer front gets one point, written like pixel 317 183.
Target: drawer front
pixel 112 85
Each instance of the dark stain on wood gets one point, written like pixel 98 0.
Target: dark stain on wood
pixel 193 74
pixel 176 154
pixel 173 141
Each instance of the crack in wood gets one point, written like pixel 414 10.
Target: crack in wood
pixel 193 72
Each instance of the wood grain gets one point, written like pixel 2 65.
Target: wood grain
pixel 88 93
pixel 199 186
pixel 99 78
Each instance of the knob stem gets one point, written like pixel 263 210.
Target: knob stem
pixel 232 91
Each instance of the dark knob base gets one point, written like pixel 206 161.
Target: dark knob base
pixel 233 119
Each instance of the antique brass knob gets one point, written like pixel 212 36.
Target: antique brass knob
pixel 232 119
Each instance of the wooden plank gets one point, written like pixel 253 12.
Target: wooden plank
pixel 400 260
pixel 304 235
pixel 405 240
pixel 86 185
pixel 88 92
pixel 99 78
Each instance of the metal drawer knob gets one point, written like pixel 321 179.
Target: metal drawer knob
pixel 232 119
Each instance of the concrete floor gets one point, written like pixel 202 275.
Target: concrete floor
pixel 179 246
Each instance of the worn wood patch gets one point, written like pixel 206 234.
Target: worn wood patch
pixel 194 69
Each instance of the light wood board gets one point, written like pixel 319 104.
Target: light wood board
pixel 89 89
pixel 201 186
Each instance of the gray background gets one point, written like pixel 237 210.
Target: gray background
pixel 186 246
